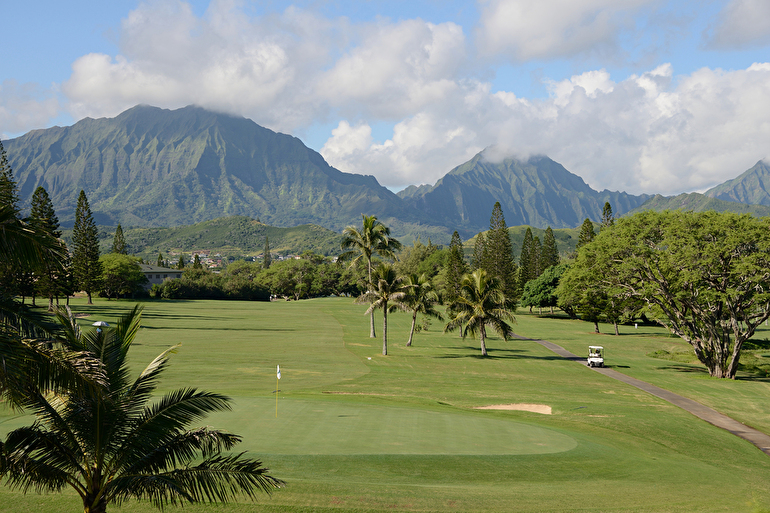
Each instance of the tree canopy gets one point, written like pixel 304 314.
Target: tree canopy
pixel 705 275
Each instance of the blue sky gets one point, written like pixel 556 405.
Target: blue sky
pixel 639 95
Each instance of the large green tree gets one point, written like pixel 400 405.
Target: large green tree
pixel 550 253
pixel 121 275
pixel 50 272
pixel 86 267
pixel 705 275
pixel 387 291
pixel 526 272
pixel 455 267
pixel 112 444
pixel 586 235
pixel 541 292
pixel 119 242
pixel 482 302
pixel 498 254
pixel 373 238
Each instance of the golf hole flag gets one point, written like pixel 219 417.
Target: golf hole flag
pixel 278 371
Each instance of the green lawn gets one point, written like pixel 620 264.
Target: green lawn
pixel 353 430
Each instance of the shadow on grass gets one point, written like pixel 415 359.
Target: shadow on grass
pixel 497 354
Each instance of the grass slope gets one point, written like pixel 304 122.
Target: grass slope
pixel 401 432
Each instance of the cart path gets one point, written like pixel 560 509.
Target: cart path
pixel 758 438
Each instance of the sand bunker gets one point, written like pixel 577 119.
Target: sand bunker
pixel 534 408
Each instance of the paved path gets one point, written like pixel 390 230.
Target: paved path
pixel 758 438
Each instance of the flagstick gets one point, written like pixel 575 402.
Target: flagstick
pixel 276 396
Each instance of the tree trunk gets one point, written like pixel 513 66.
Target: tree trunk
pixel 385 329
pixel 371 314
pixel 411 332
pixel 616 328
pixel 482 336
pixel 89 298
pixel 50 303
pixel 596 326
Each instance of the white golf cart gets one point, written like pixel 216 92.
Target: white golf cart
pixel 595 356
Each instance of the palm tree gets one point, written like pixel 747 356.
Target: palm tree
pixel 481 303
pixel 420 298
pixel 373 238
pixel 386 292
pixel 111 445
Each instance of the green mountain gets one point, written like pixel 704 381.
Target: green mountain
pixel 537 192
pixel 752 187
pixel 700 203
pixel 229 236
pixel 155 167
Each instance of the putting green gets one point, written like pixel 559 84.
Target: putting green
pixel 336 427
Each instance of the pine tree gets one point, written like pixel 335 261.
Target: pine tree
pixel 43 220
pixel 534 263
pixel 498 254
pixel 525 259
pixel 267 258
pixel 9 190
pixel 119 242
pixel 12 277
pixel 477 261
pixel 159 263
pixel 550 253
pixel 180 264
pixel 86 267
pixel 587 234
pixel 455 267
pixel 197 262
pixel 608 219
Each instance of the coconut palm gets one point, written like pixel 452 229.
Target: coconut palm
pixel 111 444
pixel 481 303
pixel 372 239
pixel 386 291
pixel 422 299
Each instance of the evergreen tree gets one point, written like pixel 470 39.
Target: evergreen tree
pixel 477 261
pixel 267 260
pixel 44 221
pixel 608 219
pixel 498 254
pixel 455 268
pixel 535 257
pixel 180 264
pixel 86 267
pixel 119 242
pixel 197 262
pixel 550 253
pixel 526 272
pixel 12 276
pixel 160 260
pixel 587 234
pixel 9 190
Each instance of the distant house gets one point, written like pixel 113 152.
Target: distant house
pixel 156 275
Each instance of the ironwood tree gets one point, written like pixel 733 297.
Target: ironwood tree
pixel 49 272
pixel 550 253
pixel 119 242
pixel 498 254
pixel 456 267
pixel 86 267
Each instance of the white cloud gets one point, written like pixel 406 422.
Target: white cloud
pixel 525 30
pixel 742 23
pixel 652 132
pixel 25 105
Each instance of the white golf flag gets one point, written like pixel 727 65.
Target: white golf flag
pixel 278 370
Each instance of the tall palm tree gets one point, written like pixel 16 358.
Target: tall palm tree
pixel 387 291
pixel 372 239
pixel 111 445
pixel 481 303
pixel 420 298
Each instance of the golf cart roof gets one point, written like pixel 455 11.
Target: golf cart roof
pixel 595 347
